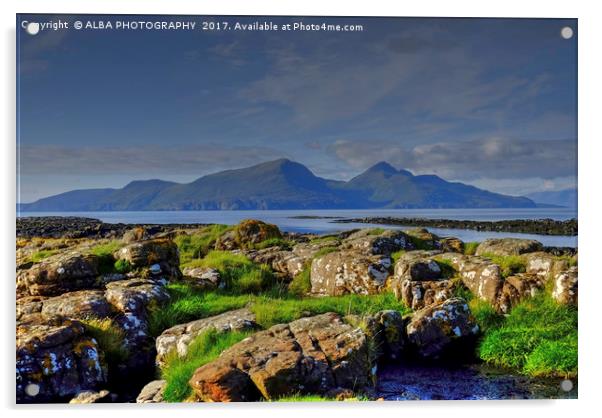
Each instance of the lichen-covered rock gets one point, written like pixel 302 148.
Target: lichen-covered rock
pixel 417 265
pixel 158 257
pixel 90 396
pixel 78 305
pixel 226 242
pixel 420 293
pixel 386 330
pixel 545 265
pixel 566 287
pixel 385 243
pixel 508 246
pixel 135 234
pixel 152 392
pixel 422 239
pixel 343 272
pixel 29 304
pixel 286 263
pixel 59 274
pixel 517 288
pixel 436 328
pixel 132 298
pixel 310 355
pixel 55 360
pixel 204 278
pixel 451 244
pixel 480 275
pixel 252 231
pixel 180 336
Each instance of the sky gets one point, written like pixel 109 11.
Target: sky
pixel 488 102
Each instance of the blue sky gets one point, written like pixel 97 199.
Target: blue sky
pixel 489 102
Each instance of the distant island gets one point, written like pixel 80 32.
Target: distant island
pixel 283 184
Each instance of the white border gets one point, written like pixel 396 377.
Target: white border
pixel 590 71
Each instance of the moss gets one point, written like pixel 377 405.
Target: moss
pixel 122 266
pixel 204 349
pixel 260 231
pixel 197 245
pixel 397 255
pixel 110 338
pixel 42 254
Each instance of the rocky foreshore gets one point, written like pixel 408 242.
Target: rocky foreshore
pixel 247 313
pixel 523 226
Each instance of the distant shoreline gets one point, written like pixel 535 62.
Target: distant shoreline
pixel 523 226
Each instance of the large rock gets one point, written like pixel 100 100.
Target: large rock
pixel 508 246
pixel 480 275
pixel 436 328
pixel 566 287
pixel 417 294
pixel 385 243
pixel 252 231
pixel 152 392
pixel 386 330
pixel 59 274
pixel 516 288
pixel 451 244
pixel 422 239
pixel 157 257
pixel 55 360
pixel 132 298
pixel 204 278
pixel 417 265
pixel 286 263
pixel 310 355
pixel 179 337
pixel 545 265
pixel 343 272
pixel 78 305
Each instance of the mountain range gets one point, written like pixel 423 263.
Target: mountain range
pixel 566 197
pixel 283 184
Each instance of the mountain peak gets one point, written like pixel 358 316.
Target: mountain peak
pixel 382 167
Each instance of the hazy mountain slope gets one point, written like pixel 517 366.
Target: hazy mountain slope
pixel 566 197
pixel 283 184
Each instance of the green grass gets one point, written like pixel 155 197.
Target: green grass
pixel 204 349
pixel 301 283
pixel 376 231
pixel 104 252
pixel 110 339
pixel 274 242
pixel 187 304
pixel 239 273
pixel 509 264
pixel 42 254
pixel 325 238
pixel 470 248
pixel 447 269
pixel 419 243
pixel 298 397
pixel 323 251
pixel 485 315
pixel 197 245
pixel 538 337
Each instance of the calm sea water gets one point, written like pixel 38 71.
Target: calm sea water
pixel 286 220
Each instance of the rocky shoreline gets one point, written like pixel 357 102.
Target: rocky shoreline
pixel 523 226
pixel 123 313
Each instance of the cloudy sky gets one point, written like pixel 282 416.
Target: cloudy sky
pixel 487 102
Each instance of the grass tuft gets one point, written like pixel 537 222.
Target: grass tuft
pixel 110 338
pixel 42 254
pixel 274 242
pixel 204 349
pixel 301 283
pixel 197 245
pixel 470 248
pixel 509 264
pixel 104 252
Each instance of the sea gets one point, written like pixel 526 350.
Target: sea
pixel 321 221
